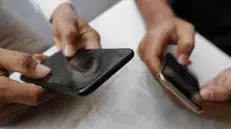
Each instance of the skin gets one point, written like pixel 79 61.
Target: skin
pixel 164 28
pixel 15 96
pixel 70 33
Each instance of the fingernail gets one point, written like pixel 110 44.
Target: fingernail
pixel 207 94
pixel 68 50
pixel 42 70
pixel 183 59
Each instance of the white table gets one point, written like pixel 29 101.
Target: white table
pixel 131 99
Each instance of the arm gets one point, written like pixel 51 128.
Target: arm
pixel 165 28
pixel 162 23
pixel 48 7
pixel 154 11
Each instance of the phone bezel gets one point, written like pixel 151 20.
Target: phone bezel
pixel 165 83
pixel 95 84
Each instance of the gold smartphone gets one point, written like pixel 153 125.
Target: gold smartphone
pixel 180 82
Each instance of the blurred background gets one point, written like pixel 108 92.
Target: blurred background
pixel 87 9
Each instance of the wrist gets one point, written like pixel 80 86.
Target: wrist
pixel 155 11
pixel 164 13
pixel 161 17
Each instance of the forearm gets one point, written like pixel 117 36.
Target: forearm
pixel 48 7
pixel 154 11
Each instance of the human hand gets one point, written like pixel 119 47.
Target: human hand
pixel 159 36
pixel 71 32
pixel 215 96
pixel 218 91
pixel 15 96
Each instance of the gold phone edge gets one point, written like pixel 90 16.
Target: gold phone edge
pixel 164 82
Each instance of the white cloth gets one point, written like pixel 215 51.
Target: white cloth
pixel 47 7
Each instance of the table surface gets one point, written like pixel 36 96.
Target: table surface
pixel 131 99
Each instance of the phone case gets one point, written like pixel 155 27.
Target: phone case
pixel 83 73
pixel 181 82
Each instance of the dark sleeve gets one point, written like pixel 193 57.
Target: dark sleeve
pixel 173 4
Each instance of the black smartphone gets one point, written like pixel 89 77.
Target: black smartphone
pixel 84 72
pixel 180 81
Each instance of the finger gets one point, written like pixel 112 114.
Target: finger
pixel 155 48
pixel 152 62
pixel 69 38
pixel 22 93
pixel 23 63
pixel 215 93
pixel 56 36
pixel 39 57
pixel 154 65
pixel 58 43
pixel 90 40
pixel 185 36
pixel 209 83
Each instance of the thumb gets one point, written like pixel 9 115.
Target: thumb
pixel 186 42
pixel 215 93
pixel 69 38
pixel 91 40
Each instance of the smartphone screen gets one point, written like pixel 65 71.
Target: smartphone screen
pixel 180 77
pixel 84 72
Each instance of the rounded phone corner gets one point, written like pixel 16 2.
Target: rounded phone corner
pixel 159 76
pixel 89 89
pixel 83 93
pixel 199 111
pixel 132 53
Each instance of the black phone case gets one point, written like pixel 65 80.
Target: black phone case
pixel 180 76
pixel 97 67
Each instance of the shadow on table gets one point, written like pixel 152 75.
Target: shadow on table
pixel 59 109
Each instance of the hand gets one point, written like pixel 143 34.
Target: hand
pixel 159 36
pixel 218 91
pixel 211 109
pixel 71 32
pixel 215 96
pixel 15 96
